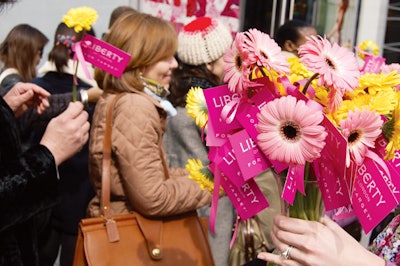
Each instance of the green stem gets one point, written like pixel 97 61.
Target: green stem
pixel 297 210
pixel 309 82
pixel 74 89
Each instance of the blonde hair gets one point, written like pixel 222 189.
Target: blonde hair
pixel 147 39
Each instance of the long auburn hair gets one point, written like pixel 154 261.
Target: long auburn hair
pixel 20 48
pixel 147 39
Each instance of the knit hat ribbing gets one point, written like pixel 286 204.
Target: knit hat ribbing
pixel 202 41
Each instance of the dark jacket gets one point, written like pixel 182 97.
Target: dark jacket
pixel 9 81
pixel 75 188
pixel 28 186
pixel 31 119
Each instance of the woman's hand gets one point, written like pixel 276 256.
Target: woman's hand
pixel 25 95
pixel 316 243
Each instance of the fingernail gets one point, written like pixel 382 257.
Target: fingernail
pixel 261 256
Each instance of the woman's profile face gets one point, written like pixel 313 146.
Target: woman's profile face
pixel 161 71
pixel 38 57
pixel 304 33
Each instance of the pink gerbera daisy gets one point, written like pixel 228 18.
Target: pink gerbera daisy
pixel 264 51
pixel 290 131
pixel 336 65
pixel 361 128
pixel 236 69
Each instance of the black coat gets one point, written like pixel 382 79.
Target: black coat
pixel 28 186
pixel 75 188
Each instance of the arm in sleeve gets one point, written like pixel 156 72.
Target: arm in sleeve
pixel 141 169
pixel 58 104
pixel 28 185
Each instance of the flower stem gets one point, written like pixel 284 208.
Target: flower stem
pixel 309 82
pixel 75 83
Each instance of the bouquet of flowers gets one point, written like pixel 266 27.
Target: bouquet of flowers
pixel 325 117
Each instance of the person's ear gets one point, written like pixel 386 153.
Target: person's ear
pixel 210 66
pixel 290 46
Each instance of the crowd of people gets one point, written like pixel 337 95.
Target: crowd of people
pixel 51 147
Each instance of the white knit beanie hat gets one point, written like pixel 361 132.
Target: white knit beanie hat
pixel 203 41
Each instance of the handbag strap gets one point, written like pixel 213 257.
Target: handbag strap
pixel 106 164
pixel 151 229
pixel 248 232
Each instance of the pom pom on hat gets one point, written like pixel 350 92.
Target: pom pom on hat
pixel 202 41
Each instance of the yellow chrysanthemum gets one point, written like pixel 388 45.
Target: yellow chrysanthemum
pixel 383 103
pixel 196 106
pixel 80 18
pixel 391 131
pixel 375 83
pixel 321 94
pixel 201 174
pixel 298 70
pixel 368 46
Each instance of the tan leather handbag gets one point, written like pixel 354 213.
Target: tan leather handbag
pixel 131 239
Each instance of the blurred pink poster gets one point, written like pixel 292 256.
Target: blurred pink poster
pixel 181 12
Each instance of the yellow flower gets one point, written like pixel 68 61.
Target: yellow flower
pixel 368 46
pixel 80 18
pixel 391 131
pixel 383 103
pixel 375 83
pixel 321 95
pixel 201 174
pixel 196 106
pixel 298 70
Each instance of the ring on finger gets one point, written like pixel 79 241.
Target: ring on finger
pixel 286 254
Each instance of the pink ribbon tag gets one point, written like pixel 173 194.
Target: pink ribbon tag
pixel 290 188
pixel 372 64
pixel 298 174
pixel 392 181
pixel 213 138
pixel 250 158
pixel 212 153
pixel 76 47
pixel 105 56
pixel 247 199
pixel 336 145
pixel 225 159
pixel 334 190
pixel 216 99
pixel 248 110
pixel 215 197
pixel 330 169
pixel 372 199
